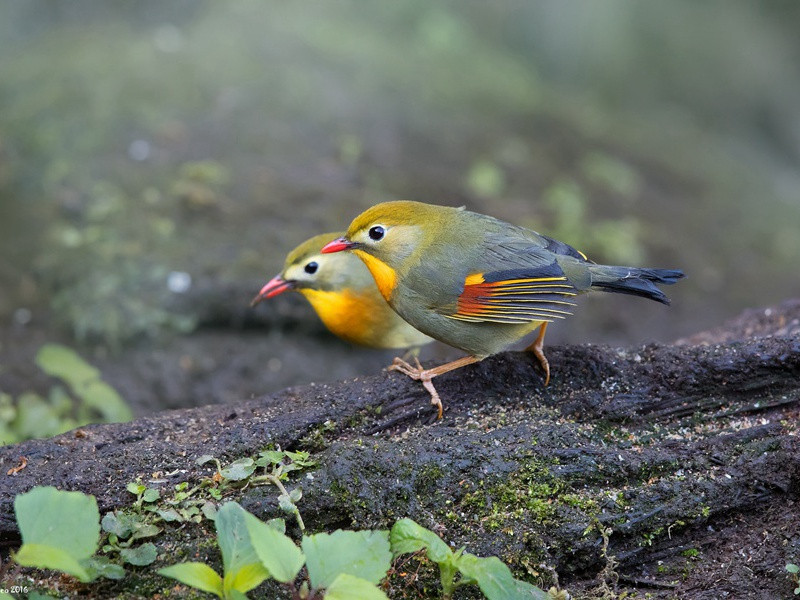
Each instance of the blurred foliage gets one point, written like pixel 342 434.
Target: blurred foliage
pixel 616 240
pixel 85 399
pixel 612 174
pixel 208 139
pixel 104 261
pixel 486 179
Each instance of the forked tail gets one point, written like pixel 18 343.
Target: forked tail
pixel 634 281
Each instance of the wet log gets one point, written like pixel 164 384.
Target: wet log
pixel 670 469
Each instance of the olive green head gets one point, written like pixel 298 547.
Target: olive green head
pixel 306 268
pixel 395 232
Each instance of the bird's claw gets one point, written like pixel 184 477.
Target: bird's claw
pixel 435 399
pixel 398 364
pixel 419 374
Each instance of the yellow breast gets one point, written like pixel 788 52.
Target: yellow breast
pixel 384 275
pixel 363 317
pixel 349 315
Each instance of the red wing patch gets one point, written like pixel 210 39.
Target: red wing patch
pixel 517 300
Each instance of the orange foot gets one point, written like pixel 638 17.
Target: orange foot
pixel 536 348
pixel 417 373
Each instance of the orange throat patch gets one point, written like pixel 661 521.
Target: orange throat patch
pixel 384 275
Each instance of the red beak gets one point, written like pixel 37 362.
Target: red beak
pixel 337 245
pixel 276 285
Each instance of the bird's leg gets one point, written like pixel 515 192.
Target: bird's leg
pixel 425 375
pixel 536 348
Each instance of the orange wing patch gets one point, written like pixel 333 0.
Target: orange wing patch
pixel 517 299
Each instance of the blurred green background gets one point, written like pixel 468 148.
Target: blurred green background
pixel 158 160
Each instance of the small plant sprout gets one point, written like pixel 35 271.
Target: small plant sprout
pixel 277 465
pixel 242 568
pixel 61 531
pixel 341 566
pixel 489 574
pixel 125 528
pixel 794 572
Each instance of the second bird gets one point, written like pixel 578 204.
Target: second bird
pixel 478 283
pixel 343 294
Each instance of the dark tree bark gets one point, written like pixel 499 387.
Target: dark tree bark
pixel 686 455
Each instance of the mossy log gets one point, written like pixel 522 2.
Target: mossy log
pixel 672 469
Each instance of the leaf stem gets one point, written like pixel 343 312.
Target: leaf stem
pixel 277 482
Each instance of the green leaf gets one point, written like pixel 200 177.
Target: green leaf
pixel 59 361
pixel 246 578
pixel 363 554
pixel 100 566
pixel 407 536
pixel 238 555
pixel 36 418
pixel 105 400
pixel 125 525
pixel 296 494
pixel 301 458
pixel 278 525
pixel 792 568
pixel 151 495
pixel 141 555
pixel 495 579
pixel 84 380
pixel 135 488
pixel 196 575
pixel 239 469
pixel 43 556
pixel 209 510
pixel 286 505
pixel 144 530
pixel 277 552
pixel 118 524
pixel 347 587
pixel 270 457
pixel 67 521
pixel 169 514
pixel 204 459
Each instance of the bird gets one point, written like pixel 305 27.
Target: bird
pixel 477 283
pixel 343 293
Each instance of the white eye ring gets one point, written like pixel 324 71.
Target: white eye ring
pixel 376 233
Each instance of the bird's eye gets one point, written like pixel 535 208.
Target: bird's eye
pixel 311 268
pixel 376 233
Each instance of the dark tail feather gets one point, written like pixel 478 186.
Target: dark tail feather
pixel 634 281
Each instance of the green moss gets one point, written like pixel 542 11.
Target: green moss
pixel 318 438
pixel 429 477
pixel 344 495
pixel 532 493
pixel 585 503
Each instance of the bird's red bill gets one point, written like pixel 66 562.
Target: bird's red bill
pixel 337 245
pixel 276 285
